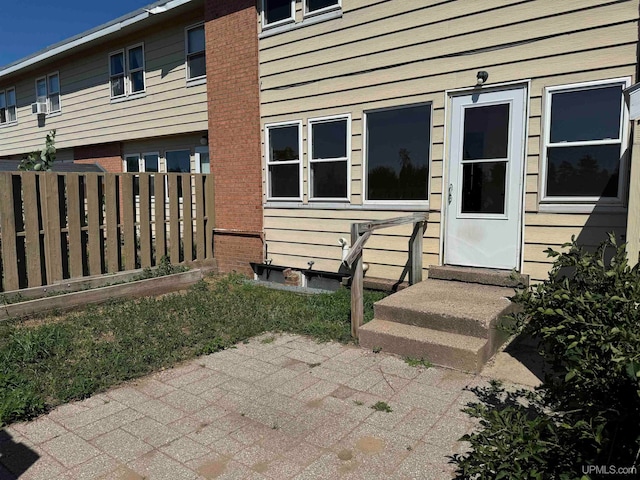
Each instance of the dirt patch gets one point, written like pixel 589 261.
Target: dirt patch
pixel 370 444
pixel 314 403
pixel 260 467
pixel 213 469
pixel 345 454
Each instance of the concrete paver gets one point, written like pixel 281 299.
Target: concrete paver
pixel 288 408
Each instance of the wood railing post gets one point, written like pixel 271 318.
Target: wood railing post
pixel 415 250
pixel 357 274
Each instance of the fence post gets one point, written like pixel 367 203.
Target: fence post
pixel 415 249
pixel 357 274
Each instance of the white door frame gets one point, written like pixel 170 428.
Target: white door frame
pixel 448 96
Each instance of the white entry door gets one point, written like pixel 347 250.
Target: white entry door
pixel 484 195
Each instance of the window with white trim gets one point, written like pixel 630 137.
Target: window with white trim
pixel 48 91
pixel 312 7
pixel 202 160
pixel 8 110
pixel 330 146
pixel 283 143
pixel 584 142
pixel 195 50
pixel 126 72
pixel 398 143
pixel 278 12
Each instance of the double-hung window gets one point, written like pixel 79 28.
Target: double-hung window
pixel 147 162
pixel 126 72
pixel 195 46
pixel 277 12
pixel 8 111
pixel 330 147
pixel 48 91
pixel 585 142
pixel 397 154
pixel 284 160
pixel 313 7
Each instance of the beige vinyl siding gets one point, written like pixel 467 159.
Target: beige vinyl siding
pixel 90 116
pixel 381 54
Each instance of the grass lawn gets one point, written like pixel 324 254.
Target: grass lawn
pixel 52 360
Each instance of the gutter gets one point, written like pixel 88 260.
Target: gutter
pixel 92 35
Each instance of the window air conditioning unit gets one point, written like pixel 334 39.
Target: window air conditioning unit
pixel 39 108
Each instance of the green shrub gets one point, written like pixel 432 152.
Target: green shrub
pixel 587 321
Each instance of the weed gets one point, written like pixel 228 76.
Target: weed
pixel 358 403
pixel 269 339
pixel 313 365
pixel 415 362
pixel 382 407
pixel 377 349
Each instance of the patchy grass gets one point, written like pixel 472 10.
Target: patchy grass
pixel 418 362
pixel 43 364
pixel 382 407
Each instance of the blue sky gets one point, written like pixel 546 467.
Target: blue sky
pixel 31 25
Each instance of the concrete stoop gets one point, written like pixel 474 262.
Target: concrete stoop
pixel 448 323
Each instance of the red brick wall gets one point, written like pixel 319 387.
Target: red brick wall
pixel 107 155
pixel 234 131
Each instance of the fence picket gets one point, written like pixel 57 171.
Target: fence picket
pixel 7 219
pixel 51 223
pixel 187 225
pixel 128 219
pixel 174 219
pixel 93 224
pixel 145 221
pixel 74 225
pixel 112 201
pixel 160 225
pixel 31 229
pixel 200 235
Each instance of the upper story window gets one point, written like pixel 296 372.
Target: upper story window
pixel 312 7
pixel 397 154
pixel 8 111
pixel 126 73
pixel 330 140
pixel 585 142
pixel 195 46
pixel 278 12
pixel 283 143
pixel 48 92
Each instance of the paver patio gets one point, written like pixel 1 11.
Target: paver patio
pixel 279 407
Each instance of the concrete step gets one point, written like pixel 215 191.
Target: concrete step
pixel 484 276
pixel 460 308
pixel 445 349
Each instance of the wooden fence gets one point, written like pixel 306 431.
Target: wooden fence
pixel 55 226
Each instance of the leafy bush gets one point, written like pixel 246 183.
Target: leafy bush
pixel 587 321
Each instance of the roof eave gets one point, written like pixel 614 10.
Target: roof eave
pixel 92 35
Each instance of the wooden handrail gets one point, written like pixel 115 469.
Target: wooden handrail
pixel 360 233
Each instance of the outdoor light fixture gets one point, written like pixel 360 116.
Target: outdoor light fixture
pixel 204 140
pixel 482 78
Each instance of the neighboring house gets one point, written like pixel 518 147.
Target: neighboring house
pixel 504 119
pixel 371 109
pixel 131 95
